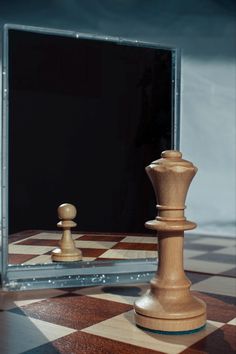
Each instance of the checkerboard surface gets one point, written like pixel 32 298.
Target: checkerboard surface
pixel 97 320
pixel 203 253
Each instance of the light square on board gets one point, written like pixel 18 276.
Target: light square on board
pixel 23 249
pixel 122 328
pixel 128 254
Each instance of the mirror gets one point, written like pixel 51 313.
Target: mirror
pixel 84 115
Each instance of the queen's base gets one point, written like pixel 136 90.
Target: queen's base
pixel 171 326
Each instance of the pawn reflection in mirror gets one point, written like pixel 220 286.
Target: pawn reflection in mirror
pixel 66 252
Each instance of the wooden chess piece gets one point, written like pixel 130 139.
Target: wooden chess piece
pixel 168 306
pixel 67 252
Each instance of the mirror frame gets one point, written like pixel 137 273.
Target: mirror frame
pixel 59 275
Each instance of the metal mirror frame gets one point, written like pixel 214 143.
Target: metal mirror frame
pixel 59 275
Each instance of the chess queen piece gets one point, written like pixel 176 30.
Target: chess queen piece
pixel 168 306
pixel 66 252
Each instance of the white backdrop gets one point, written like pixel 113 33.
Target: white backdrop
pixel 205 30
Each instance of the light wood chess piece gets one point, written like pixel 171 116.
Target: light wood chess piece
pixel 67 252
pixel 168 306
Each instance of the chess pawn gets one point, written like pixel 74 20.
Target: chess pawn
pixel 168 306
pixel 67 252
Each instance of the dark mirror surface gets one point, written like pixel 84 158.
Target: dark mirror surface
pixel 85 118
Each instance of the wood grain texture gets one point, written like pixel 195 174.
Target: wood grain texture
pixel 73 311
pixel 66 252
pixel 86 343
pixel 101 320
pixel 169 305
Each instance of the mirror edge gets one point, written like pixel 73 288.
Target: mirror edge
pixel 22 277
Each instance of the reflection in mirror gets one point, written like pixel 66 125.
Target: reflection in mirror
pixel 85 118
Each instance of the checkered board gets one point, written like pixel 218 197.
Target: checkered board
pixel 203 253
pixel 96 320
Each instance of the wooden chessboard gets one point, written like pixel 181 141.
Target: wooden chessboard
pixel 100 320
pixel 96 320
pixel 203 253
pixel 37 246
